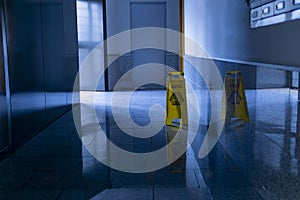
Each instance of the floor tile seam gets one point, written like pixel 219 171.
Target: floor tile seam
pixel 6 164
pixel 27 181
pixel 60 194
pixel 274 141
pixel 249 194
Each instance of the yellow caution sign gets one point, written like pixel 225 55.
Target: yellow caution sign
pixel 176 106
pixel 235 104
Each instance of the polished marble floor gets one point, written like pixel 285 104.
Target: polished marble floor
pixel 258 160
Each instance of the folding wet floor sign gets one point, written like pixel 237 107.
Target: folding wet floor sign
pixel 234 98
pixel 176 105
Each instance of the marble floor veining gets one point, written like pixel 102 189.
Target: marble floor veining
pixel 259 160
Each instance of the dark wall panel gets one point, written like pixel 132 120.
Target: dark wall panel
pixel 3 106
pixel 41 68
pixel 53 51
pixel 71 48
pixel 25 51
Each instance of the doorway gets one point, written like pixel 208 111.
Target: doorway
pixel 148 14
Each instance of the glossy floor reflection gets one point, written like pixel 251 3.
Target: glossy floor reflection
pixel 256 161
pixel 267 149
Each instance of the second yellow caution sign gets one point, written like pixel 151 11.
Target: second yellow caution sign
pixel 235 104
pixel 176 105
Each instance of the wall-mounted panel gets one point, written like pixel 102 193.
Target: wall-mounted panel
pixel 274 12
pixel 71 50
pixel 26 72
pixel 53 54
pixel 4 135
pixel 42 52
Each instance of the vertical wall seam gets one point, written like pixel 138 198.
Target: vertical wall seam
pixel 43 65
pixel 6 72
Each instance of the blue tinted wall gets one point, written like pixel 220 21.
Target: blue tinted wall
pixel 43 62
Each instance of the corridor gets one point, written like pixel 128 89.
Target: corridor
pixel 149 99
pixel 251 161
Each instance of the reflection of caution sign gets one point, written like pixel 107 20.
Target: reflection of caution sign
pixel 234 98
pixel 176 107
pixel 177 143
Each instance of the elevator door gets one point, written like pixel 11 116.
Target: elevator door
pixel 152 14
pixel 3 106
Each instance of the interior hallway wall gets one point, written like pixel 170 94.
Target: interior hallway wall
pixel 43 62
pixel 223 29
